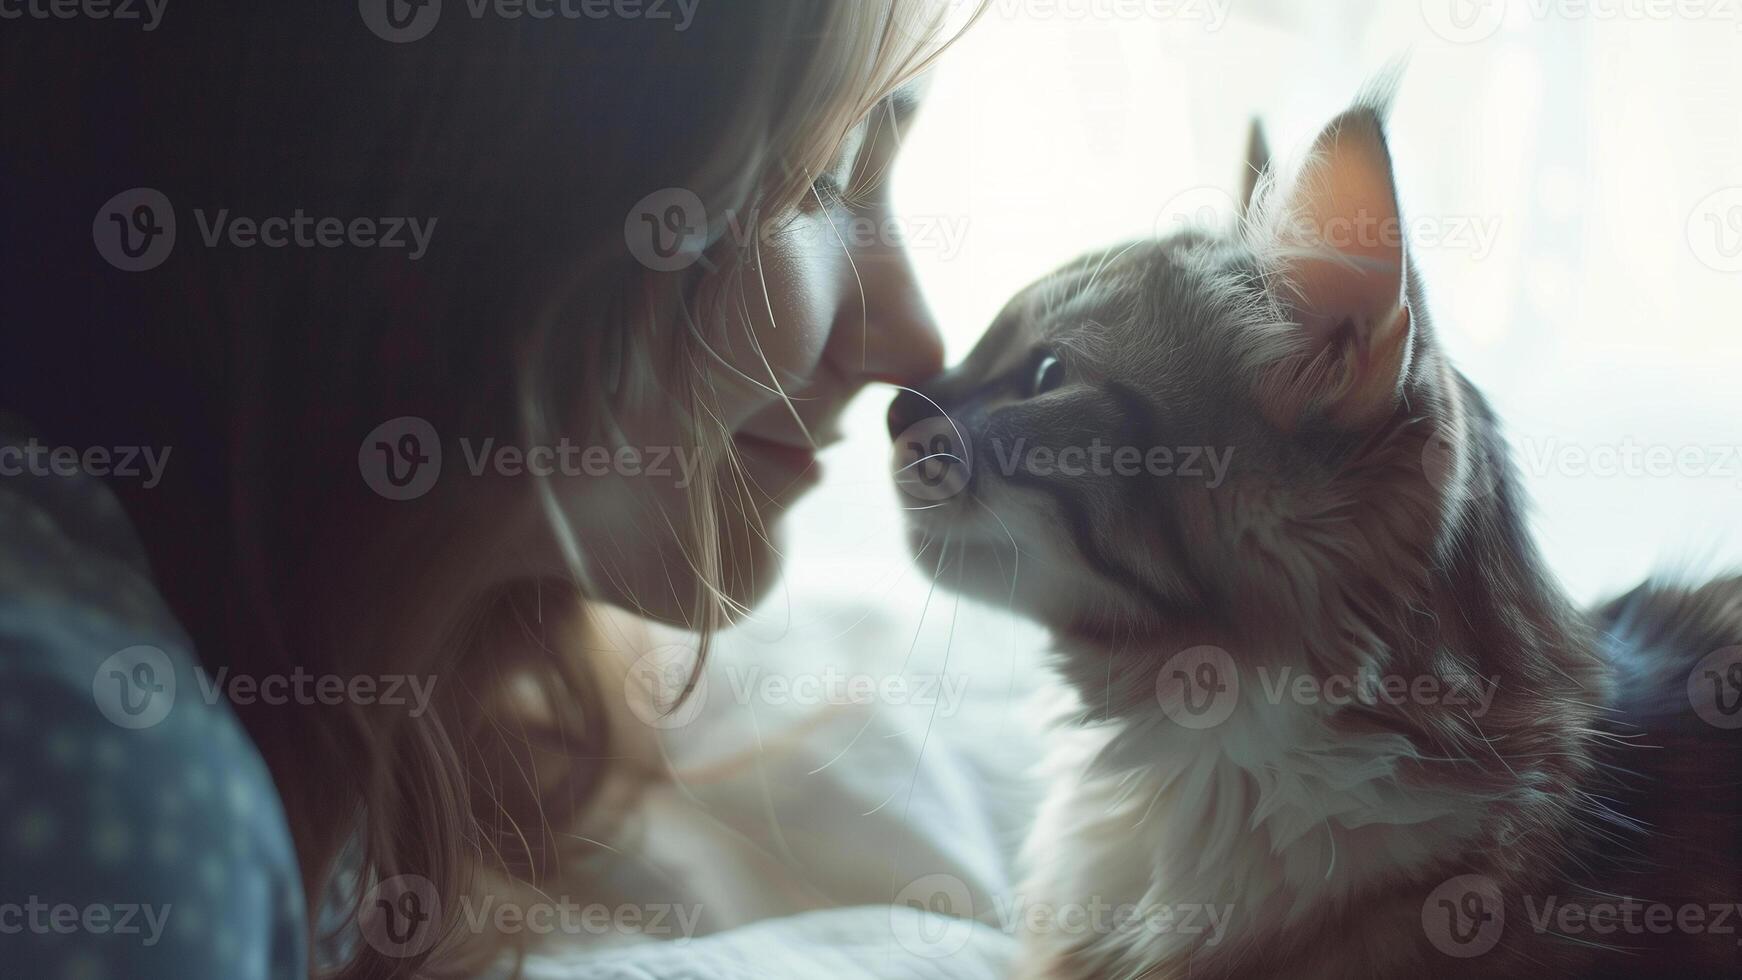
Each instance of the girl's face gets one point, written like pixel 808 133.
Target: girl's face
pixel 822 304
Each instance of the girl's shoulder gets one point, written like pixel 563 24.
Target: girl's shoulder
pixel 139 827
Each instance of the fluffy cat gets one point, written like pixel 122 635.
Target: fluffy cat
pixel 1328 694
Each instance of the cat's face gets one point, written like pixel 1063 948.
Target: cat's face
pixel 1102 411
pixel 1198 434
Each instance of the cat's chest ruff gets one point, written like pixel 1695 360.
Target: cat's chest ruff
pixel 1271 812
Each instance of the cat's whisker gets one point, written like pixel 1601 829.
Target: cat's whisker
pixel 913 779
pixel 918 627
pixel 933 456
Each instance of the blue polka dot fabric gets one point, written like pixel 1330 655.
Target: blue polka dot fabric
pixel 141 837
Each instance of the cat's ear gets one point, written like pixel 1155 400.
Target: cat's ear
pixel 1257 164
pixel 1338 269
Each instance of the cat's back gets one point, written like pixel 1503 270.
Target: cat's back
pixel 1674 768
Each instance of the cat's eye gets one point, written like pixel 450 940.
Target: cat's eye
pixel 1049 373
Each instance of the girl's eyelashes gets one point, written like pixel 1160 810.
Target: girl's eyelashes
pixel 828 188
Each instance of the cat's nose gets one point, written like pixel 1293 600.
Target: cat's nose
pixel 909 409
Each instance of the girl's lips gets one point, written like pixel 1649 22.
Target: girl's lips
pixel 800 461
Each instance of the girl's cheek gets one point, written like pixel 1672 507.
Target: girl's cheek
pixel 776 318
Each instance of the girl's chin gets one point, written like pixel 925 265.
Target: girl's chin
pixel 750 566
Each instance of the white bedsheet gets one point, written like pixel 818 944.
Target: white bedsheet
pixel 840 840
pixel 838 944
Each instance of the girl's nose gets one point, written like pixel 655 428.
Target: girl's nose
pixel 901 344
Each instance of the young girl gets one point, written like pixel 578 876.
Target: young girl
pixel 341 345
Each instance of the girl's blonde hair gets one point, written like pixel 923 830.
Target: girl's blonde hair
pixel 529 142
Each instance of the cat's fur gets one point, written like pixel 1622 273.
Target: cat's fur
pixel 1369 522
